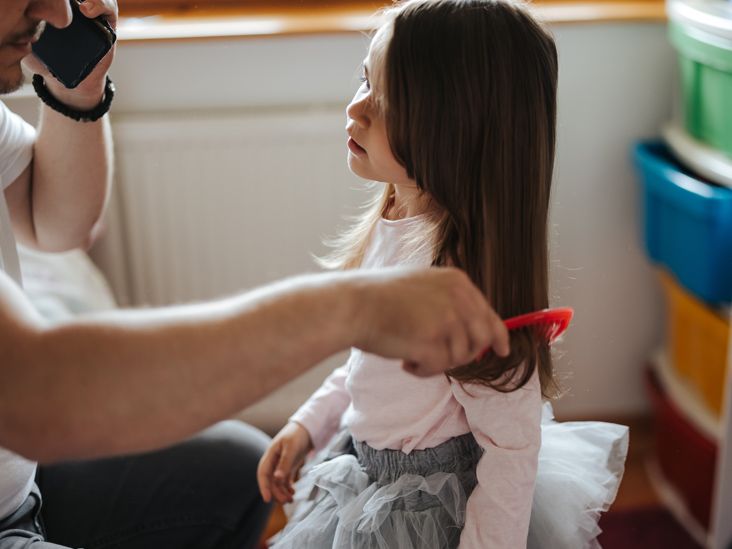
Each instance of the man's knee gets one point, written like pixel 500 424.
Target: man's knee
pixel 233 447
pixel 228 454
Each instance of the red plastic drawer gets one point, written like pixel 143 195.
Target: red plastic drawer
pixel 686 457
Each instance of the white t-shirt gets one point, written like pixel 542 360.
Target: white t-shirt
pixel 16 151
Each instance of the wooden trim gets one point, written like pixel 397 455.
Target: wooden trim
pixel 316 17
pixel 136 7
pixel 601 12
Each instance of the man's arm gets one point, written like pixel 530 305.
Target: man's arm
pixel 136 380
pixel 56 203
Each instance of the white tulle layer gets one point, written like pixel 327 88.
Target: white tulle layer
pixel 351 512
pixel 339 505
pixel 581 465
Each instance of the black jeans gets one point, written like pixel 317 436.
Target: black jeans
pixel 199 494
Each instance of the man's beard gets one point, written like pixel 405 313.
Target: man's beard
pixel 9 85
pixel 11 77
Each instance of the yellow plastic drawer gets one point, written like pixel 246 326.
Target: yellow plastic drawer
pixel 698 338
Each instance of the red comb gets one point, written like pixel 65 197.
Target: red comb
pixel 554 321
pixel 551 322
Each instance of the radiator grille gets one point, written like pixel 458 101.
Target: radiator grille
pixel 209 205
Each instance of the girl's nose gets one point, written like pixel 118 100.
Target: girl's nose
pixel 357 112
pixel 55 12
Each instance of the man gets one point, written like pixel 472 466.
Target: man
pixel 138 381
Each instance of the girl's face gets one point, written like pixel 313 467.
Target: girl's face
pixel 369 154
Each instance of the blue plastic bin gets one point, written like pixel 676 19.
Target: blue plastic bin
pixel 688 223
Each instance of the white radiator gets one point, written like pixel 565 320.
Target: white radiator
pixel 206 205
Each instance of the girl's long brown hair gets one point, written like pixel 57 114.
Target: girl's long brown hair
pixel 470 107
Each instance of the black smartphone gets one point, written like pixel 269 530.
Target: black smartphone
pixel 71 53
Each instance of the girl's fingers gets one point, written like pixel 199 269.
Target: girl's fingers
pixel 281 476
pixel 264 473
pixel 284 495
pixel 284 471
pixel 287 460
pixel 279 488
pixel 294 474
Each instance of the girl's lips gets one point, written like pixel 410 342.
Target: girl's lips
pixel 355 148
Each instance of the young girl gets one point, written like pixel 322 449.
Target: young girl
pixel 456 116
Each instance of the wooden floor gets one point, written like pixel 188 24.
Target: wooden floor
pixel 635 490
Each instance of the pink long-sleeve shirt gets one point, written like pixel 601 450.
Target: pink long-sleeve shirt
pixel 386 407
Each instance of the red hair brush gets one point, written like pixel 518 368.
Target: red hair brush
pixel 551 323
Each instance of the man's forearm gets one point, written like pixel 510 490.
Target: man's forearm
pixel 56 202
pixel 71 178
pixel 136 380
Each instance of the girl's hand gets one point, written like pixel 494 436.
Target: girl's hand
pixel 282 461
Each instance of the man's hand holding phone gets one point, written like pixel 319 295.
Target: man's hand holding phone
pixel 59 57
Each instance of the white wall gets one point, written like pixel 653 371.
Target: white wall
pixel 615 87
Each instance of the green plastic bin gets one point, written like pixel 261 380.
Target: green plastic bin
pixel 701 32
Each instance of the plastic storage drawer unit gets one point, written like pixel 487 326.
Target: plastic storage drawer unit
pixel 688 223
pixel 698 339
pixel 701 32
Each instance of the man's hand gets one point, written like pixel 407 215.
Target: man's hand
pixel 435 319
pixel 88 93
pixel 282 461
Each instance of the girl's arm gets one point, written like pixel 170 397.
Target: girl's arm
pixel 314 423
pixel 508 428
pixel 321 414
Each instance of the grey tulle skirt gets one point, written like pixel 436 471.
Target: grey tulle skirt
pixel 355 497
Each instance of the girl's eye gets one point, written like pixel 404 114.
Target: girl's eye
pixel 365 81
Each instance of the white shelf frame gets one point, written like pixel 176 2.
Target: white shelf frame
pixel 721 527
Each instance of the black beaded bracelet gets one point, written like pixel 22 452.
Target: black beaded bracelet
pixel 80 116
